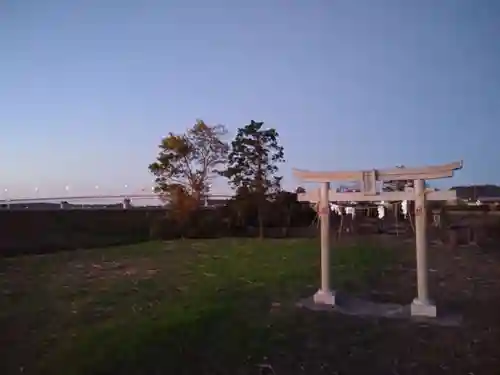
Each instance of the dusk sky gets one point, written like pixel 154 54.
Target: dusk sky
pixel 89 87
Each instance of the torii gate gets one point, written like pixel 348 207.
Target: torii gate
pixel 422 305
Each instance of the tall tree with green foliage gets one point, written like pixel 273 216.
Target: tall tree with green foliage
pixel 253 161
pixel 187 162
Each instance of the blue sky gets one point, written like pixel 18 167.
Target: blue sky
pixel 89 87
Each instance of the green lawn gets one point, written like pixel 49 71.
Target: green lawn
pixel 212 306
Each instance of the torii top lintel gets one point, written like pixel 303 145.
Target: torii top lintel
pixel 420 173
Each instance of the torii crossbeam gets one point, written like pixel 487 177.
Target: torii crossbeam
pixel 422 305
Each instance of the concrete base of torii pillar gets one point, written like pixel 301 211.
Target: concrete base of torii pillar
pixel 324 297
pixel 353 306
pixel 423 308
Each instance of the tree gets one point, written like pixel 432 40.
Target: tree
pixel 286 206
pixel 242 207
pixel 253 165
pixel 300 190
pixel 187 162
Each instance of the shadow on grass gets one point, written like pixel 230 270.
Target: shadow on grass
pixel 219 327
pixel 217 337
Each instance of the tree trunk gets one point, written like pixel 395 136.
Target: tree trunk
pixel 261 221
pixel 287 222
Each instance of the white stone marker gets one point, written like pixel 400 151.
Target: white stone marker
pixel 421 305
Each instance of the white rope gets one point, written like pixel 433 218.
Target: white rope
pixel 351 211
pixel 381 211
pixel 404 208
pixel 381 207
pixel 336 209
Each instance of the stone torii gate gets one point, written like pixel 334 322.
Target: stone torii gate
pixel 422 305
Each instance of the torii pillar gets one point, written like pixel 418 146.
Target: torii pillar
pixel 324 295
pixel 421 305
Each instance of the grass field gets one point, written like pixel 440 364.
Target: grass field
pixel 211 307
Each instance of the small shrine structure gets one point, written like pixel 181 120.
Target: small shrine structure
pixel 422 305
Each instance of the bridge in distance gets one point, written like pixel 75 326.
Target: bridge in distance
pixel 120 197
